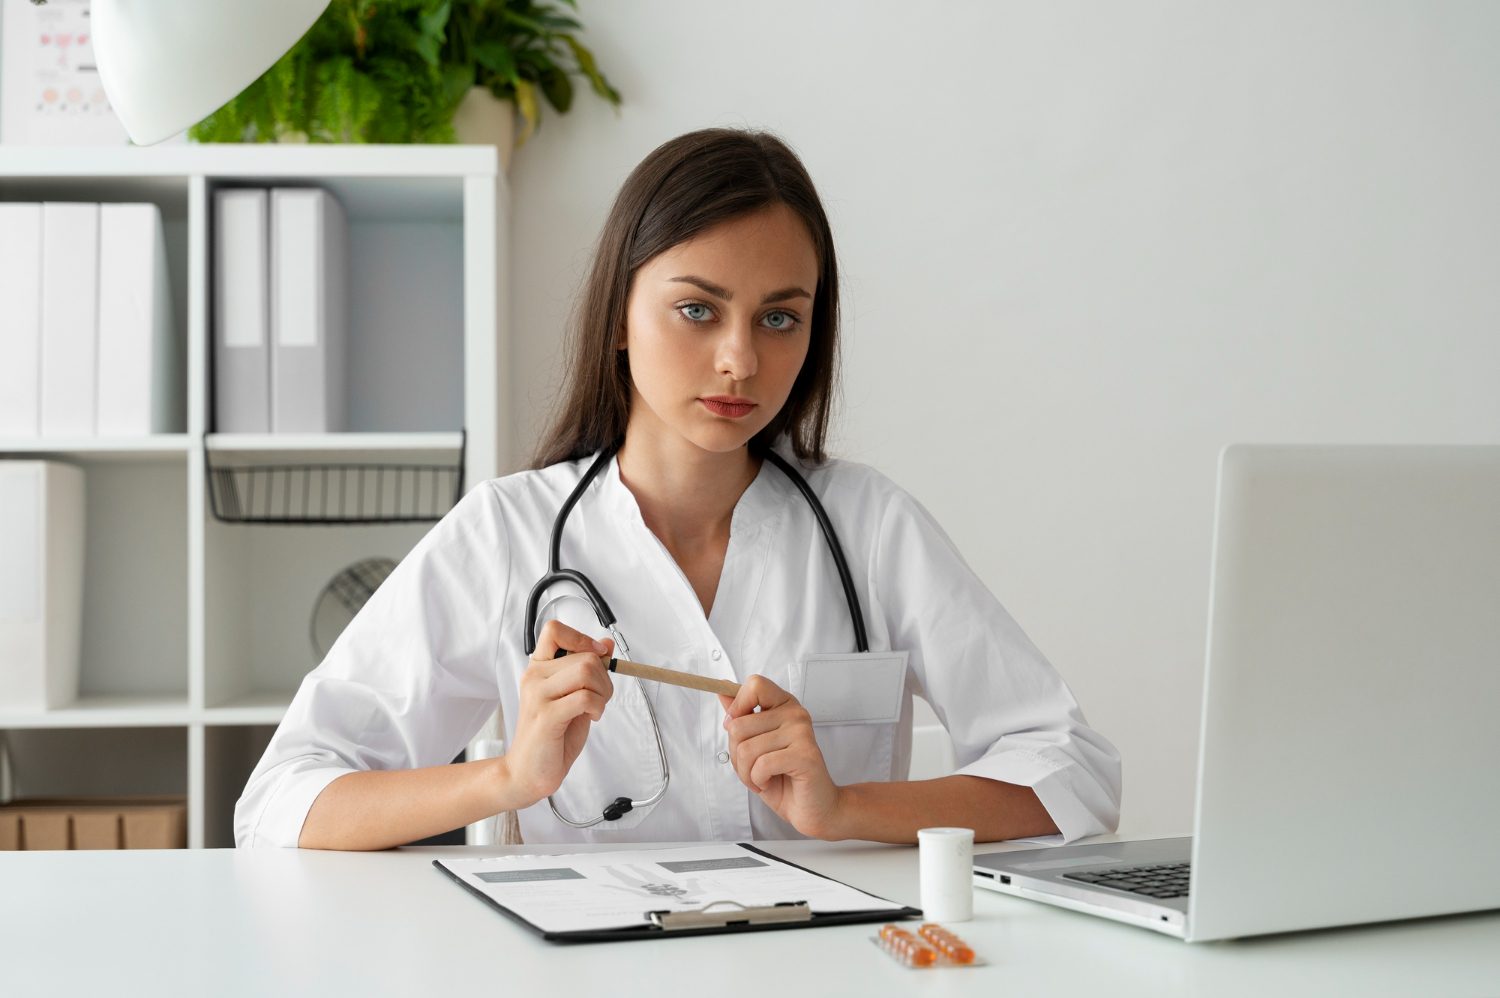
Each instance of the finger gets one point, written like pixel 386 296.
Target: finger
pixel 750 725
pixel 557 636
pixel 783 762
pixel 538 671
pixel 576 672
pixel 757 691
pixel 582 703
pixel 747 753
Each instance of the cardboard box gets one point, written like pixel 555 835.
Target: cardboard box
pixel 94 823
pixel 10 831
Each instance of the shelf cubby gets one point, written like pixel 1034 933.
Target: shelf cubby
pixel 230 752
pixel 262 585
pixel 95 762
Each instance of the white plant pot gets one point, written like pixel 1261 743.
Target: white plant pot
pixel 484 119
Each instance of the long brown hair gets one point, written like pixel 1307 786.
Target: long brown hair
pixel 685 186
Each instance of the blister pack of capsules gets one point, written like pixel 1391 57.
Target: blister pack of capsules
pixel 931 946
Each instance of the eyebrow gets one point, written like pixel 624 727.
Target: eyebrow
pixel 783 295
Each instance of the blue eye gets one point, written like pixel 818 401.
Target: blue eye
pixel 700 315
pixel 787 321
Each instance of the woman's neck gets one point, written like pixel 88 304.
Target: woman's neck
pixel 686 494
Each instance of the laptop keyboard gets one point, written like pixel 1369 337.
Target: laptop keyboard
pixel 1157 880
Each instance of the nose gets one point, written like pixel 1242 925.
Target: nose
pixel 736 357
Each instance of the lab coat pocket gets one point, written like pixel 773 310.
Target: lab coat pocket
pixel 856 701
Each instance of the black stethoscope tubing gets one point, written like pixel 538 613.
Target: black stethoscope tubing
pixel 556 573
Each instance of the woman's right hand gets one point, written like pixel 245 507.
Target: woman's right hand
pixel 560 698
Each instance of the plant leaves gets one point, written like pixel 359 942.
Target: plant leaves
pixel 591 70
pixel 430 41
pixel 497 58
pixel 395 71
pixel 434 21
pixel 530 113
pixel 457 80
pixel 557 22
pixel 558 89
pixel 525 23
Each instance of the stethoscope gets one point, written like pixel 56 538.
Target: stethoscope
pixel 621 806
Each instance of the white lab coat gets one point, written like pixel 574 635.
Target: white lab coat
pixel 424 664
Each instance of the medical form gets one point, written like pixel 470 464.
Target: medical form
pixel 602 892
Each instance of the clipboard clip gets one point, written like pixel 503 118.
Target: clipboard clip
pixel 703 918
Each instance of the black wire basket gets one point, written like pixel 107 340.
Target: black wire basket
pixel 330 493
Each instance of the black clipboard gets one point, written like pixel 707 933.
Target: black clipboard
pixel 786 915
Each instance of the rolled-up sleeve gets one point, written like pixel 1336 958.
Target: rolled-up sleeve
pixel 1010 715
pixel 407 684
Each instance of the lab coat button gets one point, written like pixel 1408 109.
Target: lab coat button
pixel 722 757
pixel 716 655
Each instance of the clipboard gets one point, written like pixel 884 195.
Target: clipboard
pixel 711 919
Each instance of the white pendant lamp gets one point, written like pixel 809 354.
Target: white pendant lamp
pixel 165 64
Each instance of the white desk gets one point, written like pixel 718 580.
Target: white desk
pixel 286 922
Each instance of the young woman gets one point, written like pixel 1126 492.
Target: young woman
pixel 681 493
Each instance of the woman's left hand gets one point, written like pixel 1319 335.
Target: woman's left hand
pixel 777 757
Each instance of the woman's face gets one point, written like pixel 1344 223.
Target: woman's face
pixel 717 328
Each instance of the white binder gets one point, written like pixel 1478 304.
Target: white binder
pixel 309 312
pixel 242 357
pixel 20 319
pixel 41 588
pixel 140 372
pixel 70 290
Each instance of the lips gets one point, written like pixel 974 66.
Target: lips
pixel 724 406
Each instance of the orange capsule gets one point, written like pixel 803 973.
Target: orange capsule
pixel 949 944
pixel 906 947
pixel 921 956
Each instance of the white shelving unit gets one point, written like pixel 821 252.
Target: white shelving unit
pixel 195 633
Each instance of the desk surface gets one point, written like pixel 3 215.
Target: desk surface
pixel 288 922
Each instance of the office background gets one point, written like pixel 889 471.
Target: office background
pixel 1083 246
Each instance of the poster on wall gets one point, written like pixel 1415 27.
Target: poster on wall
pixel 50 92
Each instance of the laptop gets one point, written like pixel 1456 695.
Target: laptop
pixel 1349 755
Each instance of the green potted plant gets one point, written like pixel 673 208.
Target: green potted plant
pixel 400 70
pixel 511 53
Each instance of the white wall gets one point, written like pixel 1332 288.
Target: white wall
pixel 1085 245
